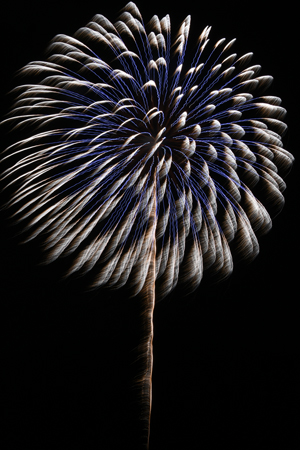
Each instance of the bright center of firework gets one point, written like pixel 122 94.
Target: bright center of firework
pixel 159 137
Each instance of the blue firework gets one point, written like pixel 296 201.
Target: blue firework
pixel 145 168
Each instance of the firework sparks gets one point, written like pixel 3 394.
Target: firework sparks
pixel 146 168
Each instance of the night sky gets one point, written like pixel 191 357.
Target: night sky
pixel 226 359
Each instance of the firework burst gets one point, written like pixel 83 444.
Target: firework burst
pixel 144 167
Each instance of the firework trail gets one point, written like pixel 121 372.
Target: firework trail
pixel 148 169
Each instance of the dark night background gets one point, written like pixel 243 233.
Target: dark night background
pixel 226 359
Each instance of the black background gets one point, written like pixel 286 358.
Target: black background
pixel 226 359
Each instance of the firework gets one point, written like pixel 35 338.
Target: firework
pixel 147 168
